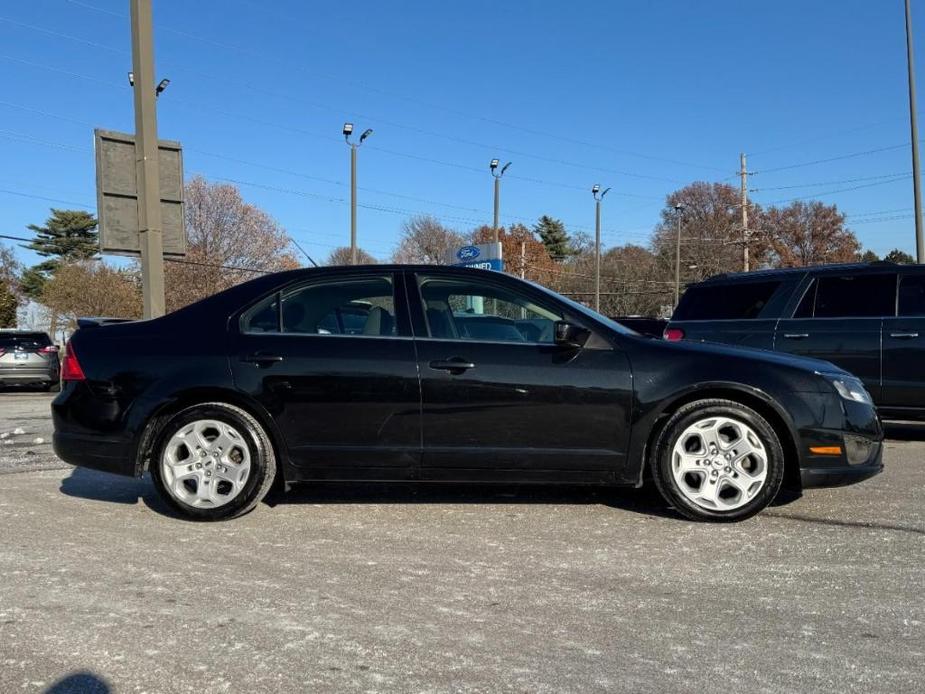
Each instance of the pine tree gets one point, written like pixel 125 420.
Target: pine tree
pixel 68 235
pixel 899 257
pixel 8 305
pixel 554 236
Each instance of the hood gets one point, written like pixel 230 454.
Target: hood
pixel 764 356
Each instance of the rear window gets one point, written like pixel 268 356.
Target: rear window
pixel 24 340
pixel 725 301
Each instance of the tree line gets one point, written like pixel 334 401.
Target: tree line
pixel 230 241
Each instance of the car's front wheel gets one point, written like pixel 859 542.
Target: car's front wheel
pixel 212 462
pixel 718 460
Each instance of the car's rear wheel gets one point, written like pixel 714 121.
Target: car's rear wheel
pixel 212 462
pixel 718 460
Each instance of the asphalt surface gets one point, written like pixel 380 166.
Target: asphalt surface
pixel 399 588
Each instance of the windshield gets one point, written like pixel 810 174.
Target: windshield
pixel 584 310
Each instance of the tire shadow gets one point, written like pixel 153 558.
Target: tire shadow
pixel 84 483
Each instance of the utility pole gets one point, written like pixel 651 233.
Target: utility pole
pixel 679 210
pixel 914 127
pixel 598 197
pixel 743 172
pixel 354 146
pixel 523 260
pixel 147 176
pixel 496 225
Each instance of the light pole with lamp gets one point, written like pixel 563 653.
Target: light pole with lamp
pixel 354 146
pixel 598 197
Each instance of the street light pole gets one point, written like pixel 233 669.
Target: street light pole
pixel 151 242
pixel 679 210
pixel 354 146
pixel 914 127
pixel 496 225
pixel 598 197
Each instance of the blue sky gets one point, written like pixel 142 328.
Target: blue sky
pixel 643 97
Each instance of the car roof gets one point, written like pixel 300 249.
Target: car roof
pixel 783 273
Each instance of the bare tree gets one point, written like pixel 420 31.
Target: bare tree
pixel 809 233
pixel 711 230
pixel 425 240
pixel 228 239
pixel 92 288
pixel 341 256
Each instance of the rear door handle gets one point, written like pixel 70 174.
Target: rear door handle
pixel 796 336
pixel 904 336
pixel 455 365
pixel 261 358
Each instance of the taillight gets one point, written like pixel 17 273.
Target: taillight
pixel 673 334
pixel 50 349
pixel 70 367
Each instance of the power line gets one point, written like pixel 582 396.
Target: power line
pixel 238 50
pixel 838 190
pixel 830 159
pixel 831 183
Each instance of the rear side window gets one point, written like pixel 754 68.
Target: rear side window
pixel 725 302
pixel 864 296
pixel 912 295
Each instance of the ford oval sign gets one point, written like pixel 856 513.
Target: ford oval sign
pixel 468 253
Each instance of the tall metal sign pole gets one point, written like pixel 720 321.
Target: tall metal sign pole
pixel 914 126
pixel 146 158
pixel 743 172
pixel 679 212
pixel 354 146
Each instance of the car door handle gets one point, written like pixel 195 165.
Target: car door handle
pixel 796 336
pixel 261 358
pixel 904 336
pixel 455 365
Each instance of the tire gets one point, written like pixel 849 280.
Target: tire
pixel 717 460
pixel 180 478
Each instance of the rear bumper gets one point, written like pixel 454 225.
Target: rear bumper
pixel 28 375
pixel 107 455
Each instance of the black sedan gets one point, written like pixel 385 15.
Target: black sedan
pixel 446 374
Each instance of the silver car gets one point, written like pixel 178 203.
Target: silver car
pixel 28 359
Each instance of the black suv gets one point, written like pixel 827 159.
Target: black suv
pixel 868 319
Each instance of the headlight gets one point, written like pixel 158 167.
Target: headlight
pixel 849 387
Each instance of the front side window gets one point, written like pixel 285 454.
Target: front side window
pixel 861 296
pixel 912 295
pixel 338 307
pixel 476 310
pixel 725 302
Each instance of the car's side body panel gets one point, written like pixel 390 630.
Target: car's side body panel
pixel 371 407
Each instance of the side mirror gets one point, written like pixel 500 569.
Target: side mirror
pixel 570 335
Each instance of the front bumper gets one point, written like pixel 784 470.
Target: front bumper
pixel 839 473
pixel 851 421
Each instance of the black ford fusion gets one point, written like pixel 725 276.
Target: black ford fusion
pixel 446 374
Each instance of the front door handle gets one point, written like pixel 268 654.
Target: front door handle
pixel 796 336
pixel 904 336
pixel 455 365
pixel 262 358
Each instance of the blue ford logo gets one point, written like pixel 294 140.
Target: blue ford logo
pixel 468 253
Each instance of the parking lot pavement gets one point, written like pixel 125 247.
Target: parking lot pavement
pixel 25 432
pixel 460 589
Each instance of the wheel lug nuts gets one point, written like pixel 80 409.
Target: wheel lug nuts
pixel 198 466
pixel 202 453
pixel 727 469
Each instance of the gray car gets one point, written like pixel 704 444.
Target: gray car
pixel 28 359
